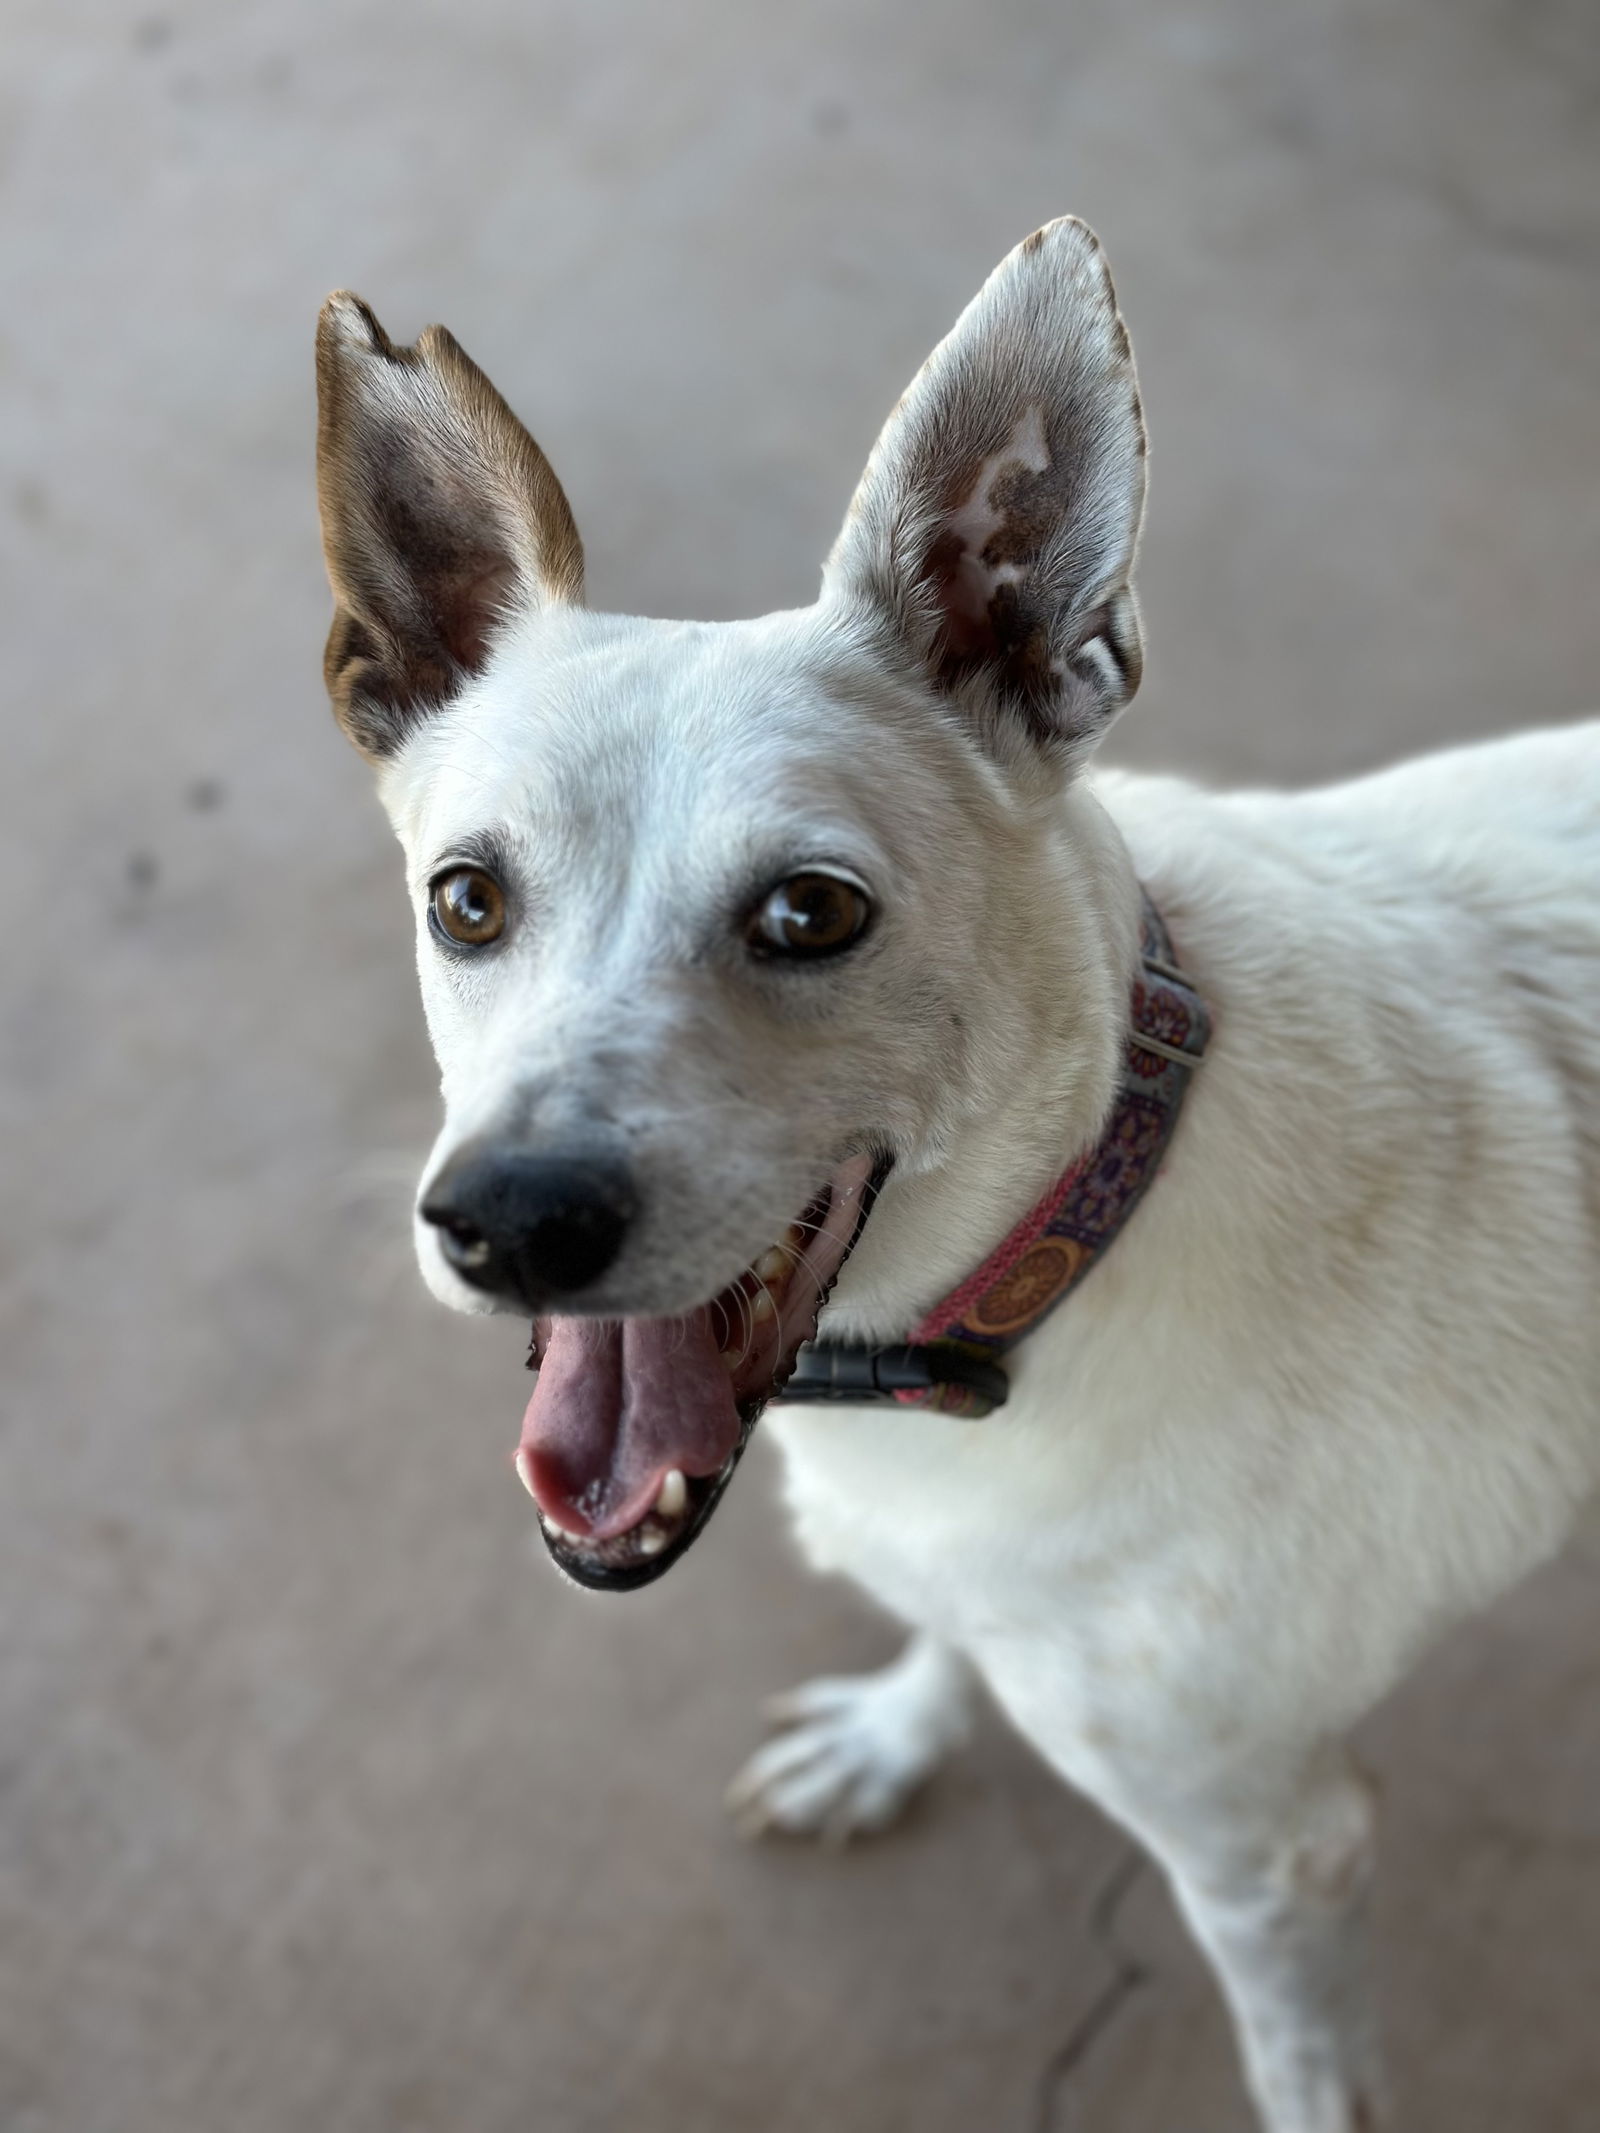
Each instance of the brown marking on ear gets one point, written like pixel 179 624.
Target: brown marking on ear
pixel 961 638
pixel 439 514
pixel 1031 503
pixel 1024 669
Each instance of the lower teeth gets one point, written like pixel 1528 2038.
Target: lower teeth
pixel 649 1537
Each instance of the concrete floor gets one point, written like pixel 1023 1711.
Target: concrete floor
pixel 322 1804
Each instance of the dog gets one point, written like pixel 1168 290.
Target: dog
pixel 777 969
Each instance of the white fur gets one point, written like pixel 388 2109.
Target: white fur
pixel 1338 1382
pixel 1337 1385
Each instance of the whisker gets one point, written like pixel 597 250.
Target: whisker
pixel 747 1317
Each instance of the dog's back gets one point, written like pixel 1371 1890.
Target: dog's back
pixel 1381 1224
pixel 1447 909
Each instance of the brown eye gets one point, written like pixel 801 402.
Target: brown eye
pixel 809 914
pixel 468 905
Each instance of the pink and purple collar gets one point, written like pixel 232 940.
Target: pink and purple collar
pixel 952 1359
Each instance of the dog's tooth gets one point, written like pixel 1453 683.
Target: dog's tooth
pixel 674 1494
pixel 733 1357
pixel 773 1264
pixel 795 1236
pixel 651 1540
pixel 762 1309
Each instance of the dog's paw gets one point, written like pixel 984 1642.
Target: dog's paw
pixel 853 1750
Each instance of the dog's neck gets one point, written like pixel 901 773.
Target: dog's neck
pixel 1040 1094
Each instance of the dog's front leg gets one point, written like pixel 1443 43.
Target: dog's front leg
pixel 1273 1878
pixel 1267 1835
pixel 855 1747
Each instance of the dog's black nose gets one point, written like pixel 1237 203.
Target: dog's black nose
pixel 529 1227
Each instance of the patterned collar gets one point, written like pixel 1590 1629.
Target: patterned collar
pixel 952 1360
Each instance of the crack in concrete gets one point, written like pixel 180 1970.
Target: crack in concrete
pixel 1128 1974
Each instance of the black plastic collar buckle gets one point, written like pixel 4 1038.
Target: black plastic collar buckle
pixel 830 1370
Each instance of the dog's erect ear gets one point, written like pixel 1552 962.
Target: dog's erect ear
pixel 995 526
pixel 440 517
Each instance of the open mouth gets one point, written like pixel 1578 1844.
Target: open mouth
pixel 636 1424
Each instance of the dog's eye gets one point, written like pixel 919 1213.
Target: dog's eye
pixel 469 906
pixel 809 914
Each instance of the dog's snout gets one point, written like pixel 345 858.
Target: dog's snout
pixel 530 1227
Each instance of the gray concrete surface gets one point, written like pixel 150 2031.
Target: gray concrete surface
pixel 322 1805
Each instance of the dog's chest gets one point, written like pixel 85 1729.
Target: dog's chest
pixel 964 1530
pixel 1099 1620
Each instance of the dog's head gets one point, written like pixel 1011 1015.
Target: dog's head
pixel 717 922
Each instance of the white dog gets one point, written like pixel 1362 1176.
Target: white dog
pixel 746 944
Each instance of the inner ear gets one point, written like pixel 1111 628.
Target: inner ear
pixel 995 526
pixel 461 574
pixel 440 518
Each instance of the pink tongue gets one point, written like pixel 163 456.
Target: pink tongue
pixel 618 1402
